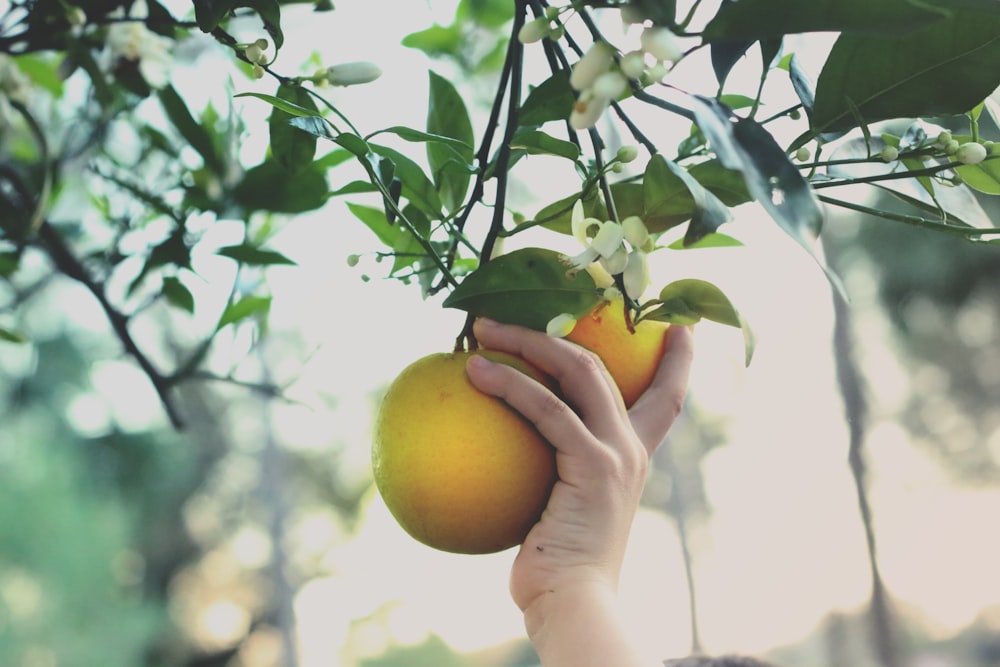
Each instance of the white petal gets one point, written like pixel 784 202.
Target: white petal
pixel 561 325
pixel 635 231
pixel 595 62
pixel 662 44
pixel 586 113
pixel 636 275
pixel 608 239
pixel 617 262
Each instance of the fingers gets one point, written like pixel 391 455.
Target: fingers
pixel 658 407
pixel 553 418
pixel 584 381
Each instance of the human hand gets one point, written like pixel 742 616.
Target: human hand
pixel 602 451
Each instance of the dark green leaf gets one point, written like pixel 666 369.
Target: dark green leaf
pixel 946 68
pixel 254 256
pixel 189 128
pixel 689 300
pixel 313 125
pixel 9 263
pixel 447 116
pixel 209 13
pixel 291 147
pixel 725 55
pixel 536 142
pixel 270 13
pixel 745 146
pixel 353 188
pixel 527 287
pixel 355 144
pixel 177 294
pixel 172 251
pixel 758 19
pixel 246 307
pixel 271 187
pixel 552 99
pixel 416 186
pixel 709 213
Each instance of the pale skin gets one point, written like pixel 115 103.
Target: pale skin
pixel 565 576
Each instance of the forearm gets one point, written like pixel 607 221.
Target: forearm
pixel 580 626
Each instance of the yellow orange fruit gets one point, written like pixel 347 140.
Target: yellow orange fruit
pixel 631 358
pixel 460 470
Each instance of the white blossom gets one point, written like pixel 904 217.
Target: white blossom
pixel 534 31
pixel 661 43
pixel 587 111
pixel 595 62
pixel 635 231
pixel 132 40
pixel 636 274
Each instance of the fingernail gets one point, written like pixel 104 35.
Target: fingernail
pixel 486 322
pixel 478 361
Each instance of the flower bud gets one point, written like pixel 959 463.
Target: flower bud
pixel 633 64
pixel 889 154
pixel 534 31
pixel 257 72
pixel 253 53
pixel 632 14
pixel 561 325
pixel 552 13
pixel 595 62
pixel 951 147
pixel 627 154
pixel 803 154
pixel 76 16
pixel 350 74
pixel 261 43
pixel 971 153
pixel 943 138
pixel 662 44
pixel 352 260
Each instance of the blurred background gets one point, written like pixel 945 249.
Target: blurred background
pixel 835 503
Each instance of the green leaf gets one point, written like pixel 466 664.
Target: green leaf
pixel 254 256
pixel 284 104
pixel 771 178
pixel 553 99
pixel 416 136
pixel 270 13
pixel 689 300
pixel 528 287
pixel 984 176
pixel 709 213
pixel 447 116
pixel 355 144
pixel 209 13
pixel 416 186
pixel 195 133
pixel 375 220
pixel 536 142
pixel 436 40
pixel 944 69
pixel 177 294
pixel 290 146
pixel 715 240
pixel 271 187
pixel 43 72
pixel 244 308
pixel 9 336
pixel 759 19
pixel 9 263
pixel 314 125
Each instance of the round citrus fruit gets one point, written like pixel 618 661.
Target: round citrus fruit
pixel 460 470
pixel 631 358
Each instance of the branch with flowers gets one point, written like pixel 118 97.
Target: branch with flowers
pixel 901 103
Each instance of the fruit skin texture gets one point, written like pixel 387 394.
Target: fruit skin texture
pixel 631 359
pixel 458 469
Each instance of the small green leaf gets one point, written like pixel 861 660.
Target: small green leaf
pixel 284 104
pixel 177 294
pixel 416 136
pixel 417 187
pixel 290 146
pixel 436 40
pixel 536 142
pixel 254 256
pixel 246 307
pixel 375 220
pixel 715 240
pixel 553 99
pixel 689 300
pixel 528 287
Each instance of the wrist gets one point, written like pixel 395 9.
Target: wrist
pixel 580 624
